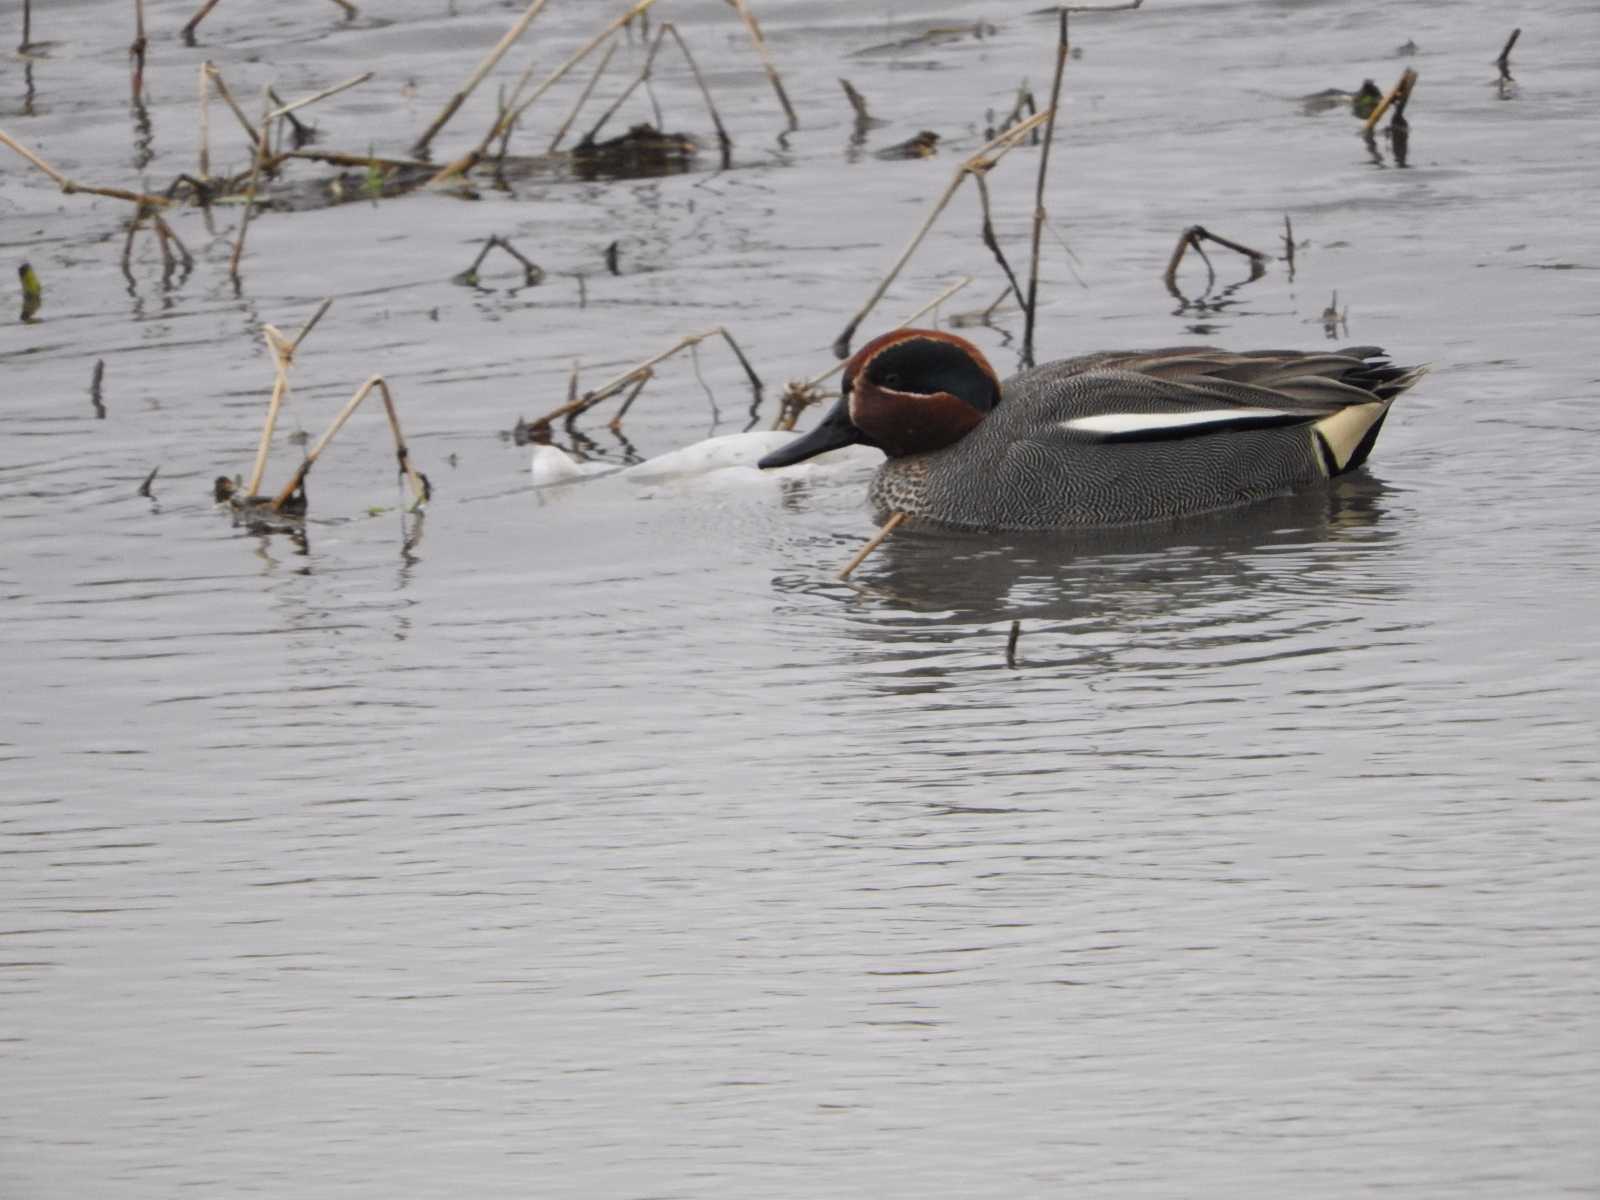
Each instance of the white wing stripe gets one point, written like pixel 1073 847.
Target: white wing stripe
pixel 1116 423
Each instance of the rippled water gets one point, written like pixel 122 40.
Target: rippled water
pixel 594 841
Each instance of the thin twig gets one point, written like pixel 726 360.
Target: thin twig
pixel 514 110
pixel 583 97
pixel 418 484
pixel 1031 307
pixel 1401 92
pixel 1504 61
pixel 204 88
pixel 1011 644
pixel 989 238
pixel 754 27
pixel 1288 245
pixel 286 109
pixel 483 68
pixel 979 162
pixel 894 522
pixel 723 140
pixel 194 21
pixel 250 191
pixel 69 186
pixel 282 352
pixel 137 50
pixel 227 96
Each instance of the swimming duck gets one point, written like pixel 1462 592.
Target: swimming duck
pixel 1113 438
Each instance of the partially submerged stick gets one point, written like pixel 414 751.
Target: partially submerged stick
pixel 979 162
pixel 282 351
pixel 894 522
pixel 483 68
pixel 1031 306
pixel 514 110
pixel 419 486
pixel 70 186
pixel 250 191
pixel 532 272
pixel 233 105
pixel 583 97
pixel 136 51
pixel 576 408
pixel 750 23
pixel 1401 92
pixel 285 109
pixel 1191 238
pixel 1504 61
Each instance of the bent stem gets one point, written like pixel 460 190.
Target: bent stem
pixel 984 160
pixel 1031 305
pixel 483 68
pixel 750 23
pixel 894 522
pixel 69 186
pixel 418 485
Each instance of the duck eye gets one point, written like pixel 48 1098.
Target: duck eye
pixel 891 380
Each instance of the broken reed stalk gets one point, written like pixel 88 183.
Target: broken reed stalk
pixel 1288 245
pixel 1504 61
pixel 418 486
pixel 723 140
pixel 1031 305
pixel 894 522
pixel 194 21
pixel 69 186
pixel 351 12
pixel 27 27
pixel 285 109
pixel 137 50
pixel 750 23
pixel 858 102
pixel 283 352
pixel 642 77
pixel 233 105
pixel 979 162
pixel 583 97
pixel 1191 238
pixel 205 120
pixel 1401 92
pixel 250 190
pixel 1011 643
pixel 991 241
pixel 483 68
pixel 581 405
pixel 513 110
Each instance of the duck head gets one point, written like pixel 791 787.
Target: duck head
pixel 908 392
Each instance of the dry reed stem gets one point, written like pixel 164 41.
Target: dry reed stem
pixel 750 23
pixel 69 186
pixel 194 21
pixel 1031 305
pixel 281 352
pixel 1401 92
pixel 250 191
pixel 723 140
pixel 583 97
pixel 351 12
pixel 1504 61
pixel 577 407
pixel 513 110
pixel 137 50
pixel 989 238
pixel 286 109
pixel 1191 238
pixel 894 522
pixel 233 105
pixel 858 102
pixel 1011 644
pixel 204 88
pixel 419 488
pixel 979 162
pixel 483 68
pixel 27 27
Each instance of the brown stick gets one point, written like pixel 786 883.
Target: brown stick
pixel 979 162
pixel 858 102
pixel 1011 644
pixel 281 352
pixel 136 51
pixel 204 87
pixel 1401 92
pixel 754 27
pixel 513 111
pixel 894 522
pixel 194 21
pixel 723 140
pixel 222 90
pixel 1288 245
pixel 27 27
pixel 1504 61
pixel 418 486
pixel 285 109
pixel 583 98
pixel 250 191
pixel 989 238
pixel 69 186
pixel 483 68
pixel 1031 306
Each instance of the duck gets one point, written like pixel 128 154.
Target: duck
pixel 1104 439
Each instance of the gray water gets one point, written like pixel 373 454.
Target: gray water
pixel 594 841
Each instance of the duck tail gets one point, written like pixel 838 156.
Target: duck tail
pixel 1348 436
